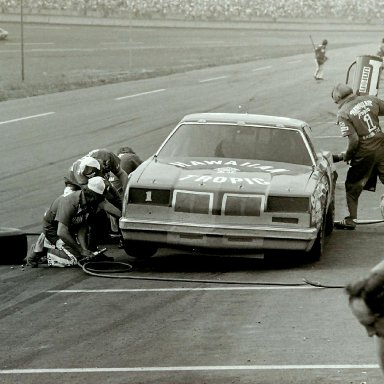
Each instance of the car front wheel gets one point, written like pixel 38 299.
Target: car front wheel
pixel 330 219
pixel 139 249
pixel 315 253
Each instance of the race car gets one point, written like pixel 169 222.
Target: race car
pixel 3 34
pixel 232 181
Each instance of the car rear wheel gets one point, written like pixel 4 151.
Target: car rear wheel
pixel 139 249
pixel 14 246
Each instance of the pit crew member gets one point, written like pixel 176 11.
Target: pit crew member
pixel 358 119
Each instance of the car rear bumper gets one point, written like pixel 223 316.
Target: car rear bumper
pixel 223 236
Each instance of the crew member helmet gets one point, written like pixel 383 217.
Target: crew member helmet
pixel 89 167
pixel 340 91
pixel 325 42
pixel 97 184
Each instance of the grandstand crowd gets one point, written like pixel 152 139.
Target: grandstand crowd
pixel 205 9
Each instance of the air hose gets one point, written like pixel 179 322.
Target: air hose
pixel 368 221
pixel 93 268
pixel 321 285
pixel 98 269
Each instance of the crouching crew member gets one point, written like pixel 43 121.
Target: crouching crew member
pixel 81 171
pixel 129 161
pixel 65 240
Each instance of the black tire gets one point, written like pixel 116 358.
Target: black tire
pixel 330 219
pixel 14 246
pixel 317 250
pixel 139 249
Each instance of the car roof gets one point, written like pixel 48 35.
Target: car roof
pixel 244 119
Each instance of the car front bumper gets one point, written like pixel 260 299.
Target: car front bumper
pixel 199 235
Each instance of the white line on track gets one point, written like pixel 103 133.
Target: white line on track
pixel 27 44
pixel 213 79
pixel 140 94
pixel 294 61
pixel 180 289
pixel 261 68
pixel 329 137
pixel 26 118
pixel 193 368
pixel 46 27
pixel 324 122
pixel 121 42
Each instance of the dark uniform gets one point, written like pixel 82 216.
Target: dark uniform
pixel 64 239
pixel 129 161
pixel 380 51
pixel 360 115
pixel 71 210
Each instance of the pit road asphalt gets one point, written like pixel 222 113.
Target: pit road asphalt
pixel 64 325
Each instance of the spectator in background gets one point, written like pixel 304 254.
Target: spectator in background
pixel 320 58
pixel 380 51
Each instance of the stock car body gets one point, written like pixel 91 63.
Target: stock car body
pixel 232 181
pixel 3 34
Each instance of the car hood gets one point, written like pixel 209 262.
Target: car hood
pixel 210 174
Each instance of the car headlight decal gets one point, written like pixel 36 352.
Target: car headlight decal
pixel 288 204
pixel 242 205
pixel 192 201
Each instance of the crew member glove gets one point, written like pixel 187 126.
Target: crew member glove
pixel 338 157
pixel 86 253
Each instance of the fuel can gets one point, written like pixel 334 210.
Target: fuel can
pixel 366 75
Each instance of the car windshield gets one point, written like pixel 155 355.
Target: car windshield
pixel 237 142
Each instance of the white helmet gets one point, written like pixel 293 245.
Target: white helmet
pixel 97 185
pixel 88 166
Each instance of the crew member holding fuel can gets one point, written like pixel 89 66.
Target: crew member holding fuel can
pixel 358 119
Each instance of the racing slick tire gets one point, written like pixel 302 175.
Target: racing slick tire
pixel 14 245
pixel 139 249
pixel 330 219
pixel 315 253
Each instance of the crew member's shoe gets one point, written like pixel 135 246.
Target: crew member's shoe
pixel 346 223
pixel 34 258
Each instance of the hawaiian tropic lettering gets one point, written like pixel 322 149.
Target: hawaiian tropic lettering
pixel 225 179
pixel 361 108
pixel 233 163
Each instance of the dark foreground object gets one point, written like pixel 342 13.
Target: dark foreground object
pixel 13 245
